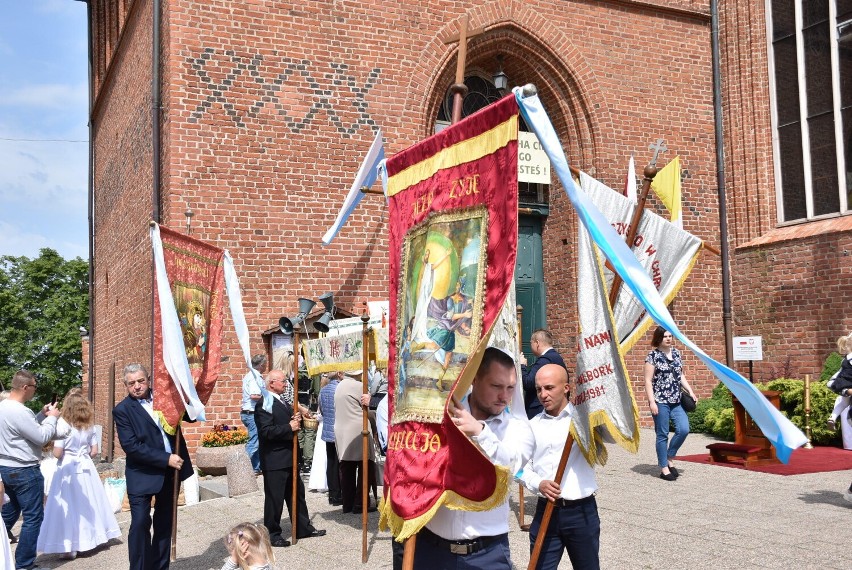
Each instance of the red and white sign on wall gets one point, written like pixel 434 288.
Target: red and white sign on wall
pixel 748 348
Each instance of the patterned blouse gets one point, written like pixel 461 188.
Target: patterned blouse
pixel 667 374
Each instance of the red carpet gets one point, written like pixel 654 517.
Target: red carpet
pixel 816 460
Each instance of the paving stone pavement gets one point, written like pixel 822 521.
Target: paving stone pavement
pixel 711 517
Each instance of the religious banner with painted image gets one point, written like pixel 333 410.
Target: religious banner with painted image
pixel 188 316
pixel 453 244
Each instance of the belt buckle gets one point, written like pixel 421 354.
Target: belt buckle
pixel 462 549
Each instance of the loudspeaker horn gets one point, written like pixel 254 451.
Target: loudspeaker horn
pixel 321 324
pixel 305 306
pixel 327 301
pixel 288 324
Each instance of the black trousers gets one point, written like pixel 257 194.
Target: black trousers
pixel 147 553
pixel 332 472
pixel 278 490
pixel 352 481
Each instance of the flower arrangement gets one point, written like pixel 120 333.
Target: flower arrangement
pixel 223 436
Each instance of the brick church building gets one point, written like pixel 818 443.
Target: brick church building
pixel 254 117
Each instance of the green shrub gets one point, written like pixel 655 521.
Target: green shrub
pixel 716 416
pixel 831 365
pixel 698 418
pixel 721 393
pixel 720 422
pixel 793 406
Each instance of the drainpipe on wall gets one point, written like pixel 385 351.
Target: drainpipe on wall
pixel 155 151
pixel 90 198
pixel 156 103
pixel 720 177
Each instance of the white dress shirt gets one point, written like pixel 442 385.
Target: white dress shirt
pixel 148 406
pixel 550 433
pixel 507 441
pixel 382 421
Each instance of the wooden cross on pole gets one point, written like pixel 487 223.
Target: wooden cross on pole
pixel 459 89
pixel 650 172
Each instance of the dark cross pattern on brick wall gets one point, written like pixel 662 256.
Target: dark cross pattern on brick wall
pixel 269 87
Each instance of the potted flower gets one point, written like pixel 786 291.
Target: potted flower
pixel 216 445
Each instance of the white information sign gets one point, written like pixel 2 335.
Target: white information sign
pixel 533 164
pixel 748 348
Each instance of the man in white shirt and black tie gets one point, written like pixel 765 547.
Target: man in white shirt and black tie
pixel 574 525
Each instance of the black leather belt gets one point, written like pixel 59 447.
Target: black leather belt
pixel 461 547
pixel 561 503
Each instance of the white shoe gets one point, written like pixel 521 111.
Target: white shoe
pixel 68 555
pixel 848 496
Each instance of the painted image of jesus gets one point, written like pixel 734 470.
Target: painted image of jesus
pixel 451 315
pixel 440 311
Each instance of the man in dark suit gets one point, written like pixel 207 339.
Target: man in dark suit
pixel 150 471
pixel 275 433
pixel 541 343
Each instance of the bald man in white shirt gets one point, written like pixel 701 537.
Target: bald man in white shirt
pixel 574 525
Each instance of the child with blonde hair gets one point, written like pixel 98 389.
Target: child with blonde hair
pixel 77 515
pixel 841 382
pixel 249 548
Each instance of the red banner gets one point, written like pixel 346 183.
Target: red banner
pixel 453 243
pixel 197 277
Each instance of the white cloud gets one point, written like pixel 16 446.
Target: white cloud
pixel 47 96
pixel 17 241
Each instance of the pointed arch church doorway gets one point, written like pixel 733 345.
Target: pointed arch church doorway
pixel 532 213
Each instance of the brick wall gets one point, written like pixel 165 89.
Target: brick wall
pixel 123 206
pixel 787 289
pixel 268 109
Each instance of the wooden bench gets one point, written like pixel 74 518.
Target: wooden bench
pixel 723 452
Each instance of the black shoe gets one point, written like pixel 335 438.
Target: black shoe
pixel 668 476
pixel 674 471
pixel 335 502
pixel 359 510
pixel 313 533
pixel 280 542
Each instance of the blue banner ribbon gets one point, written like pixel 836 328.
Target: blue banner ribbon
pixel 778 429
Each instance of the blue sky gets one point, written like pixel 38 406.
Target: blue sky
pixel 44 87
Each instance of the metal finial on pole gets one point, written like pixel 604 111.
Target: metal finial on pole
pixel 189 213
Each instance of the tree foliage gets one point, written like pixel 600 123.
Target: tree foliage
pixel 43 305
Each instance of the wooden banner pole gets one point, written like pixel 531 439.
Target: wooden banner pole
pixel 408 552
pixel 366 483
pixel 548 510
pixel 176 492
pixel 294 511
pixel 519 311
pixel 650 172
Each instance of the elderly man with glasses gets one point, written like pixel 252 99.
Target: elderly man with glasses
pixel 22 435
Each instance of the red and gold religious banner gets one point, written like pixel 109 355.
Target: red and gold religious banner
pixel 453 243
pixel 188 315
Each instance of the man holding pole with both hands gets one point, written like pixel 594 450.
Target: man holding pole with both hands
pixel 574 524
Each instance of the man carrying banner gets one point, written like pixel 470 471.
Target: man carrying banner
pixel 150 471
pixel 541 344
pixel 471 539
pixel 275 433
pixel 574 525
